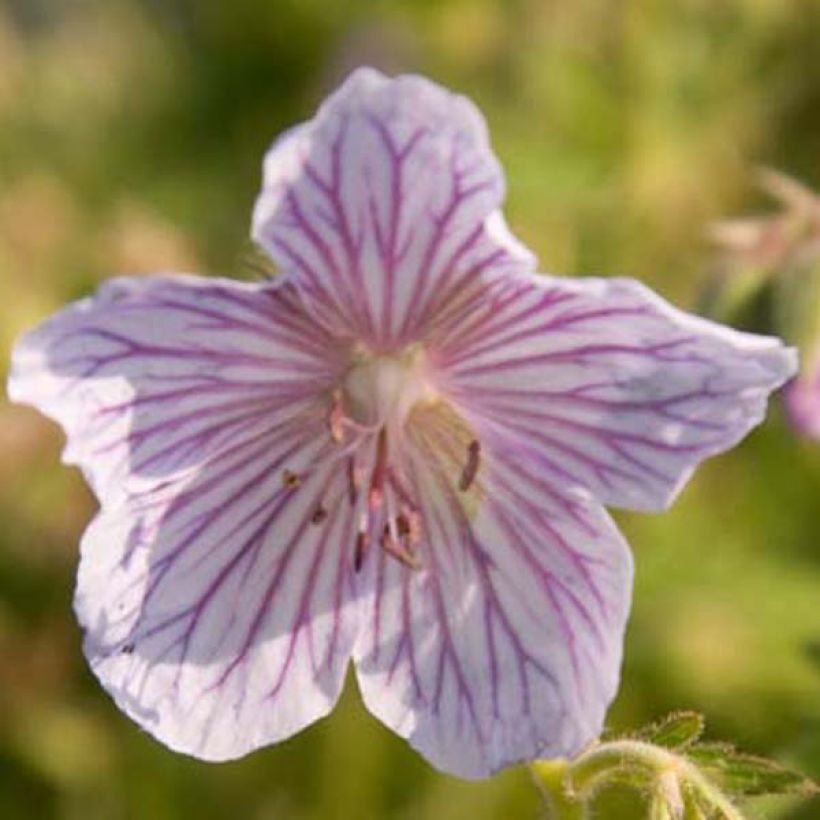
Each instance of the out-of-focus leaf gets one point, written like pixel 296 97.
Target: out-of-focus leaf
pixel 676 731
pixel 747 775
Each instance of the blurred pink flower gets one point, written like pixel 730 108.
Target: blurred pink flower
pixel 802 398
pixel 396 452
pixel 783 248
pixel 776 241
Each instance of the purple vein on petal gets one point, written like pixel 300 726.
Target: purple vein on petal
pixel 381 206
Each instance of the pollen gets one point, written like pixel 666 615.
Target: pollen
pixel 290 480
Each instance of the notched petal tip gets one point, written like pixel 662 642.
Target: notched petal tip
pixel 507 645
pixel 220 618
pixel 385 205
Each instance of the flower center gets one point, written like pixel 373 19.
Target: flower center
pixel 381 390
pixel 379 400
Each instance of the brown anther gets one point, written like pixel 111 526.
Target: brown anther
pixel 290 480
pixel 359 550
pixel 402 524
pixel 335 418
pixel 353 481
pixel 319 515
pixel 470 470
pixel 408 526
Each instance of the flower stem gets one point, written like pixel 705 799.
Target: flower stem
pixel 550 777
pixel 595 766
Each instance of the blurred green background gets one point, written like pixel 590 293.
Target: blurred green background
pixel 131 134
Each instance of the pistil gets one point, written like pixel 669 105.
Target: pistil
pixel 376 494
pixel 369 407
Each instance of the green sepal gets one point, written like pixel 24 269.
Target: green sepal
pixel 676 731
pixel 747 775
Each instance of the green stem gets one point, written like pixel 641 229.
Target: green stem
pixel 602 761
pixel 550 777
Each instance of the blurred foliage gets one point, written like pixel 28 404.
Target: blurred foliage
pixel 131 134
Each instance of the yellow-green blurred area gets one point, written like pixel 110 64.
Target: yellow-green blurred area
pixel 131 137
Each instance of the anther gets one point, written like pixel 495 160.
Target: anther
pixel 359 550
pixel 290 480
pixel 408 526
pixel 470 470
pixel 319 515
pixel 354 479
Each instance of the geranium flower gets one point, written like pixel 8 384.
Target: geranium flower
pixel 396 452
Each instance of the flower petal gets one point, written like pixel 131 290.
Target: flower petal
pixel 216 601
pixel 221 618
pixel 506 645
pixel 619 392
pixel 152 376
pixel 385 205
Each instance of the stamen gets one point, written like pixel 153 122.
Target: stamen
pixel 319 515
pixel 376 492
pixel 398 551
pixel 402 524
pixel 336 417
pixel 413 528
pixel 470 470
pixel 290 480
pixel 354 480
pixel 408 526
pixel 359 550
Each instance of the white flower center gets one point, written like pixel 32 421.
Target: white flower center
pixel 382 389
pixel 367 418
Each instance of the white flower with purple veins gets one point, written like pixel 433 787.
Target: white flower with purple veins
pixel 396 452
